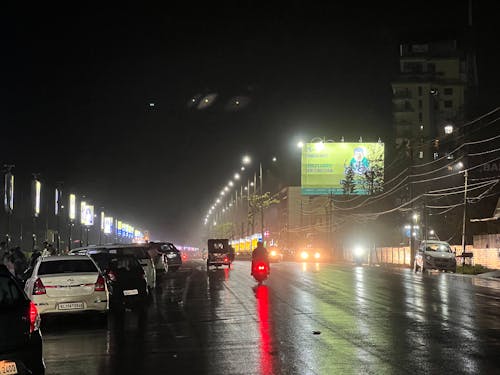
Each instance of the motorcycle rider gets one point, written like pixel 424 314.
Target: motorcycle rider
pixel 260 254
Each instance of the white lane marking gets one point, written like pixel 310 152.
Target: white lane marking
pixel 488 296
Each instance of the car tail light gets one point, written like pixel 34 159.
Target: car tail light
pixel 226 259
pixel 38 287
pixel 100 284
pixel 34 317
pixel 111 276
pixel 261 268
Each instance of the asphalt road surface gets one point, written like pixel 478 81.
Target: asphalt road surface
pixel 306 319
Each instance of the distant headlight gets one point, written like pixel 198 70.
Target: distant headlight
pixel 273 253
pixel 304 255
pixel 317 255
pixel 171 255
pixel 358 251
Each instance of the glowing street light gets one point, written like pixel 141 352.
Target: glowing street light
pixel 300 144
pixel 274 159
pixel 448 129
pixel 236 176
pixel 246 160
pixel 230 183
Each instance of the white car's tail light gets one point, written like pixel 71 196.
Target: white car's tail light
pixel 38 287
pixel 100 284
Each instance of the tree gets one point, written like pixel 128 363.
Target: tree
pixel 348 184
pixel 373 180
pixel 258 203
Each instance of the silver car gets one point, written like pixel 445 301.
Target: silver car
pixel 436 255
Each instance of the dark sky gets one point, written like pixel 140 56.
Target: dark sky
pixel 77 83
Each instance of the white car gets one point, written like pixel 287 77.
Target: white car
pixel 62 284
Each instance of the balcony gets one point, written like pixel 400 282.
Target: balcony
pixel 402 107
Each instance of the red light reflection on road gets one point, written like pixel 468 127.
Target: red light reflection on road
pixel 266 360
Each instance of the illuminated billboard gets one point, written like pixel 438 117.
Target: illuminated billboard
pixel 108 225
pixel 86 214
pixel 36 191
pixel 9 193
pixel 72 206
pixel 342 168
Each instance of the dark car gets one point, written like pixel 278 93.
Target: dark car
pixel 169 257
pixel 125 277
pixel 20 337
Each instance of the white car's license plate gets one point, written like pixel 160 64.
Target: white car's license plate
pixel 70 306
pixel 131 292
pixel 8 368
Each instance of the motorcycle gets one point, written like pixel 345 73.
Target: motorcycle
pixel 260 271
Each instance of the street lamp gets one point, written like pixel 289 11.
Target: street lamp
pixel 236 176
pixel 448 129
pixel 300 144
pixel 246 160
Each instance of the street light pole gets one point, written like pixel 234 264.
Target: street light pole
pixel 261 204
pixel 465 211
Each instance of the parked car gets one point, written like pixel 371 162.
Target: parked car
pixel 67 284
pixel 435 255
pixel 168 256
pixel 125 277
pixel 140 251
pixel 20 338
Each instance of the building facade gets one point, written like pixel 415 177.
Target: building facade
pixel 429 95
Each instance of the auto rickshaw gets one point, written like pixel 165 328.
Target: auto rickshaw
pixel 219 253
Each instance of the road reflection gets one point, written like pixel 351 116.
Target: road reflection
pixel 266 360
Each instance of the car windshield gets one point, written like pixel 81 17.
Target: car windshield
pixel 9 292
pixel 438 247
pixel 168 247
pixel 66 266
pixel 138 252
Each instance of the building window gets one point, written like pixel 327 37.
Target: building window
pixel 420 104
pixel 419 90
pixel 412 67
pixel 420 116
pixel 436 156
pixel 448 104
pixel 421 154
pixel 448 91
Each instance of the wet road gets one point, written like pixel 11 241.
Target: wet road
pixel 306 319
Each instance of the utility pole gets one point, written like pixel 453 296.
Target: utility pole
pixel 261 204
pixel 465 211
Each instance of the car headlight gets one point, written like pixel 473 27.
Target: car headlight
pixel 358 251
pixel 170 256
pixel 304 255
pixel 273 253
pixel 317 255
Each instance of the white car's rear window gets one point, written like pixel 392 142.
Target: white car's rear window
pixel 67 266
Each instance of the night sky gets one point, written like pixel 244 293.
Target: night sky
pixel 77 84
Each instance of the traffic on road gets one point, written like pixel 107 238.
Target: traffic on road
pixel 94 311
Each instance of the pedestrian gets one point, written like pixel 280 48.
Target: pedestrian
pixel 19 261
pixel 34 256
pixel 45 249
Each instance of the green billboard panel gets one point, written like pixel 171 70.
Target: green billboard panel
pixel 342 168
